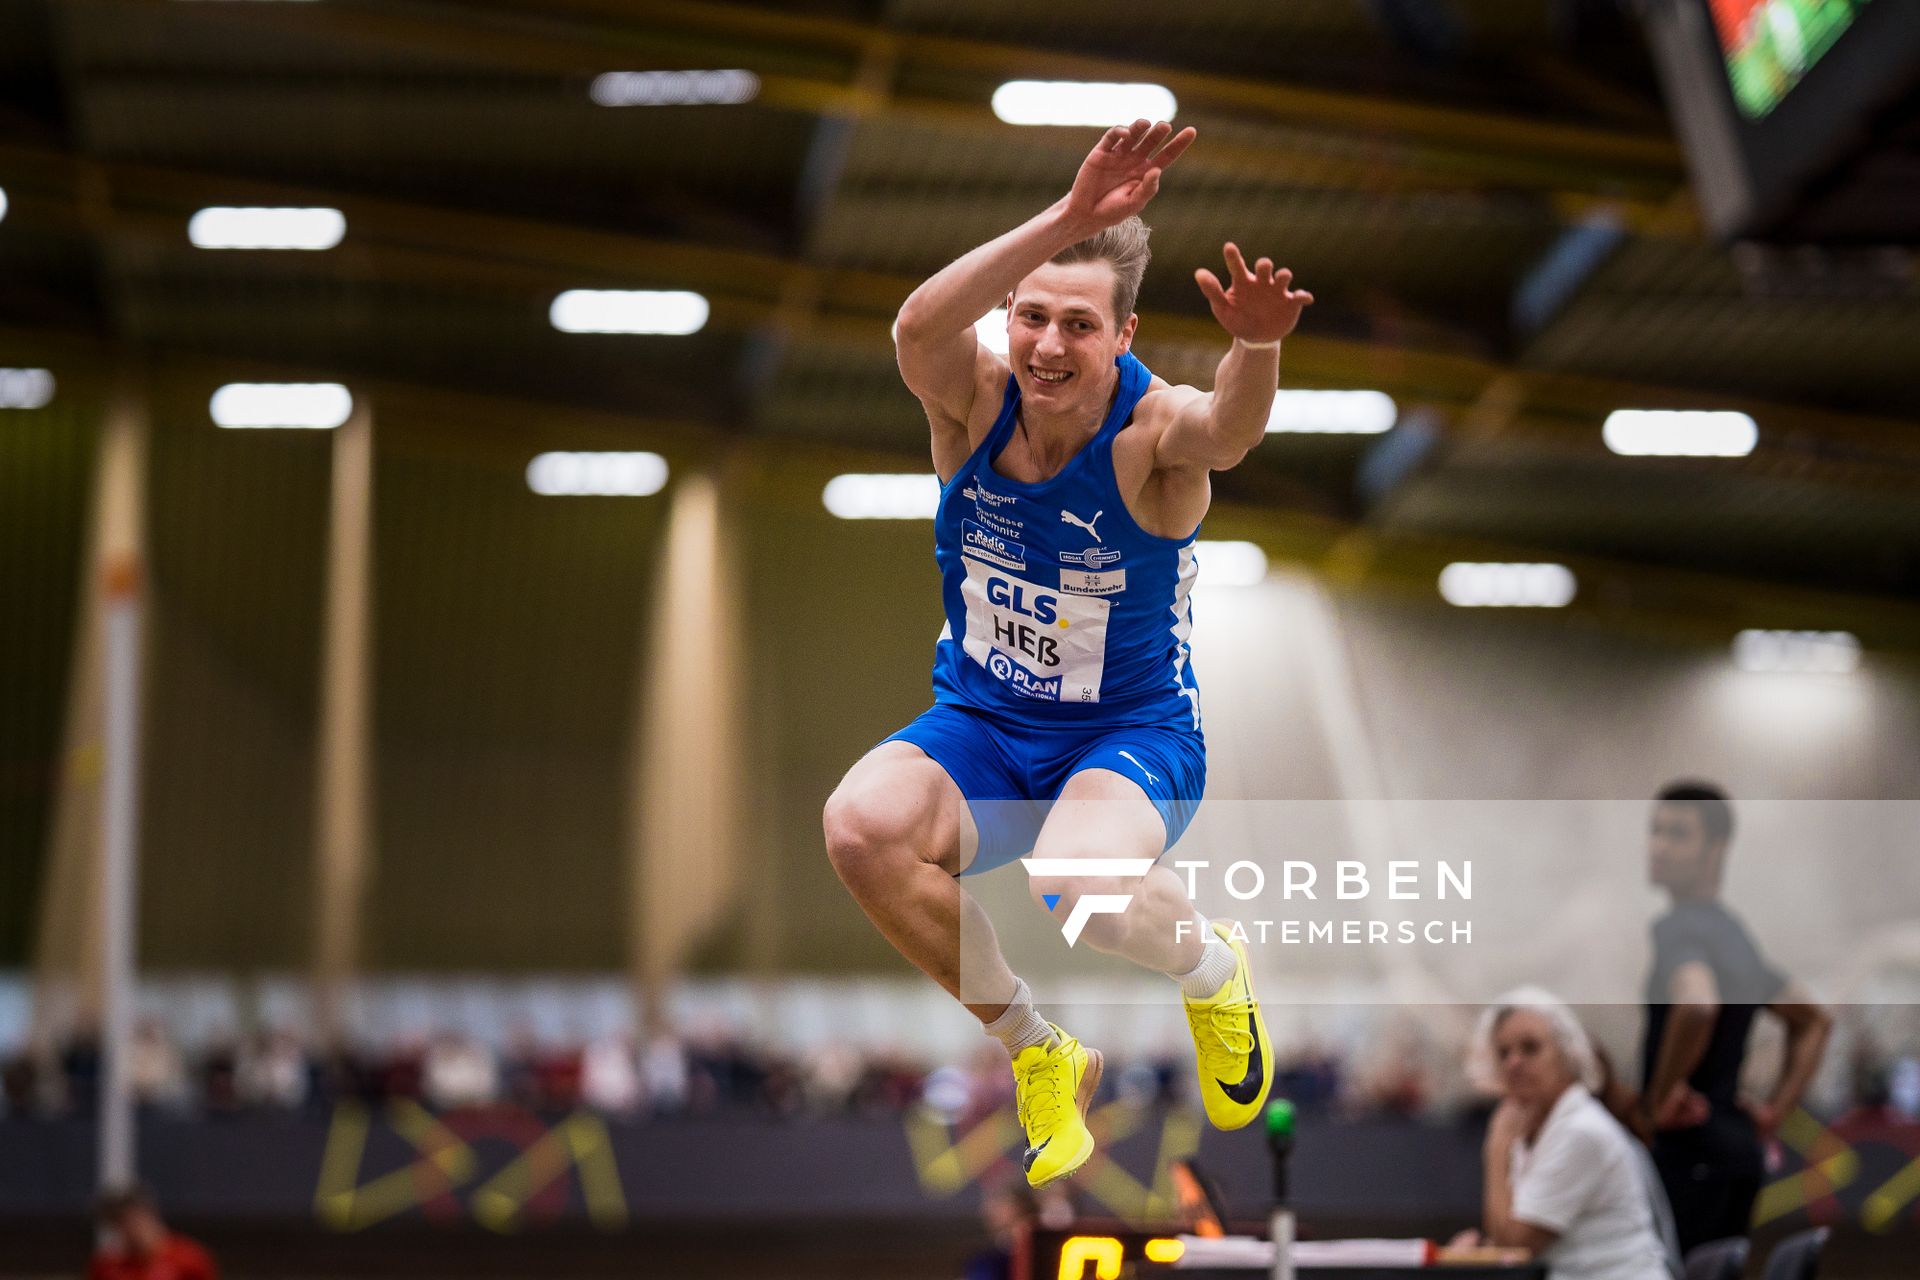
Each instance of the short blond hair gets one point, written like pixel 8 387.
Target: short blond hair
pixel 1122 246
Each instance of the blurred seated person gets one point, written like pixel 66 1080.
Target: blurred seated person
pixel 1011 1210
pixel 458 1071
pixel 274 1071
pixel 1563 1183
pixel 142 1248
pixel 610 1079
pixel 158 1075
pixel 1007 1210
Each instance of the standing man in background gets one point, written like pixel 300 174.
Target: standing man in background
pixel 1708 983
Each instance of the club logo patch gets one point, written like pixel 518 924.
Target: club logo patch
pixel 1091 558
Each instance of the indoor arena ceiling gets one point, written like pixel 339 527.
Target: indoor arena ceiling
pixel 1485 196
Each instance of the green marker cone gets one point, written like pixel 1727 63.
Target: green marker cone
pixel 1280 1118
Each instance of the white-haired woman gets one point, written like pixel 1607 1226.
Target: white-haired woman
pixel 1563 1179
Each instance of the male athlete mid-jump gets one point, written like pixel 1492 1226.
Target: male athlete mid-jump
pixel 1073 485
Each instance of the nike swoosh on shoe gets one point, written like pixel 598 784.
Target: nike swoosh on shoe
pixel 1248 1087
pixel 1033 1153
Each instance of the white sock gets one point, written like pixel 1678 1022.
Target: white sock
pixel 1019 1026
pixel 1215 970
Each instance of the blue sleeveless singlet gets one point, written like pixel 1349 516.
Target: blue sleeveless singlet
pixel 1060 608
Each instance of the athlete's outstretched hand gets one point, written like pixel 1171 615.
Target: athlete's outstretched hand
pixel 1256 305
pixel 1122 173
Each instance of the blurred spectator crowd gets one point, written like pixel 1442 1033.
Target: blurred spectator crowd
pixel 277 1070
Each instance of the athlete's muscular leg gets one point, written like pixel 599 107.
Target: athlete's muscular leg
pixel 1102 814
pixel 898 831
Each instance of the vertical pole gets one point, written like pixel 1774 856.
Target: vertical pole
pixel 342 760
pixel 685 829
pixel 70 946
pixel 87 949
pixel 1280 1217
pixel 120 821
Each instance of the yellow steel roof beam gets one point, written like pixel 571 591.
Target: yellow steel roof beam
pixel 1448 147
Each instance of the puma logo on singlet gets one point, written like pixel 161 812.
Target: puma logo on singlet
pixel 1067 517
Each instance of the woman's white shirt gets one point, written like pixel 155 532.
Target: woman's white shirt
pixel 1577 1178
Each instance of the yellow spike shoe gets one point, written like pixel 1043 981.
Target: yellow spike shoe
pixel 1230 1042
pixel 1052 1088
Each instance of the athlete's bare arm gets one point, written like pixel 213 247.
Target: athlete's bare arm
pixel 956 378
pixel 1258 307
pixel 1190 433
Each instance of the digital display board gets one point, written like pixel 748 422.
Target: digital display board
pixel 1768 45
pixel 1793 112
pixel 1108 1251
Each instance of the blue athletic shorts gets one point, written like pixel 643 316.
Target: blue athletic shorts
pixel 997 764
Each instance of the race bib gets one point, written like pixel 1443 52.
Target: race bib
pixel 1039 642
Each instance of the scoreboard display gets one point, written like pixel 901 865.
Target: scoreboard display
pixel 1109 1251
pixel 1796 115
pixel 1768 45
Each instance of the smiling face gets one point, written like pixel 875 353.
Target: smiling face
pixel 1062 338
pixel 1533 1071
